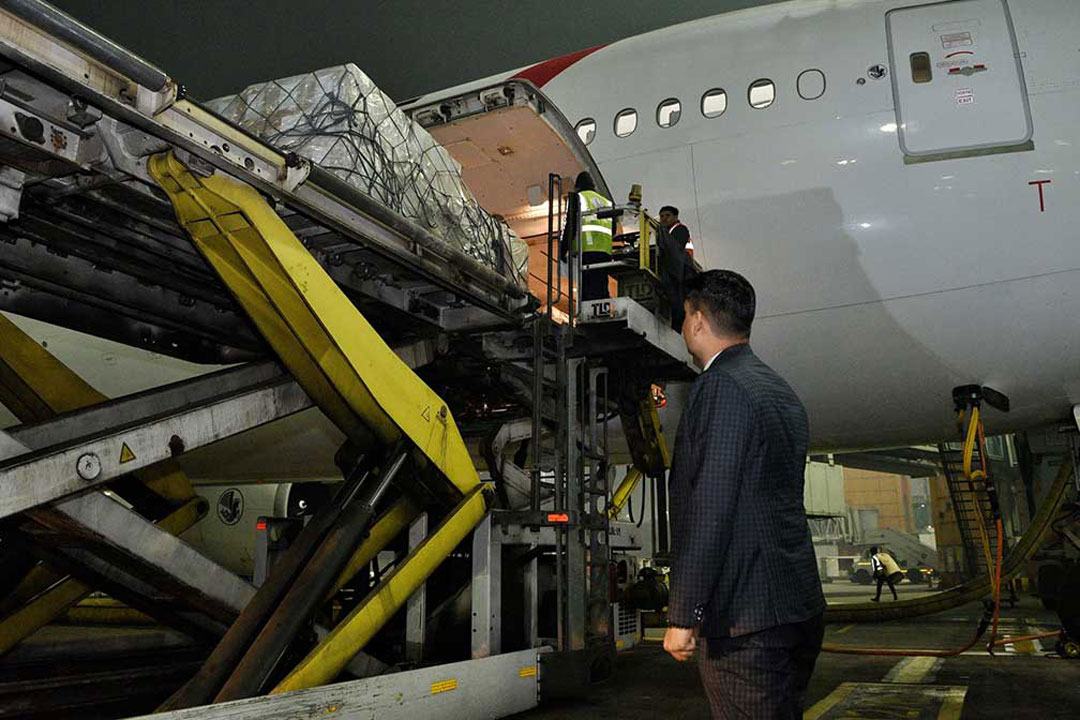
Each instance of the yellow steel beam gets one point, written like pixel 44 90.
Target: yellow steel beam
pixel 36 386
pixel 644 432
pixel 42 610
pixel 622 493
pixel 653 429
pixel 385 529
pixel 106 611
pixel 61 596
pixel 327 345
pixel 39 579
pixel 184 517
pixel 99 615
pixel 328 659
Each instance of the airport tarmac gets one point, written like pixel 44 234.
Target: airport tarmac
pixel 845 591
pixel 1018 682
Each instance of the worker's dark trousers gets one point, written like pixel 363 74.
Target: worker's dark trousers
pixel 891 580
pixel 594 283
pixel 763 675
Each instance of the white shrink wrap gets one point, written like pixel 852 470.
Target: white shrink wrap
pixel 338 119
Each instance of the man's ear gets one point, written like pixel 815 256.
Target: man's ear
pixel 698 321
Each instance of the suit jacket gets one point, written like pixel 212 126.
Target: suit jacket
pixel 676 267
pixel 743 558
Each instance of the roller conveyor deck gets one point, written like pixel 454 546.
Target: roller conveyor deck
pixel 94 245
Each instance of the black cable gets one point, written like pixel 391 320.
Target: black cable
pixel 641 518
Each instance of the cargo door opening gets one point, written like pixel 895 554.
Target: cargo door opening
pixel 508 139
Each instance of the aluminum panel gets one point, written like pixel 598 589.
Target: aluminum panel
pixel 492 687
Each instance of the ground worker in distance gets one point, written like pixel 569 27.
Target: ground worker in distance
pixel 885 571
pixel 595 239
pixel 669 218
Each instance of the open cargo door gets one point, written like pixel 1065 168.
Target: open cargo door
pixel 508 138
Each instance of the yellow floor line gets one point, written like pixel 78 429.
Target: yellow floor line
pixel 844 629
pixel 911 670
pixel 866 701
pixel 953 704
pixel 833 699
pixel 1025 647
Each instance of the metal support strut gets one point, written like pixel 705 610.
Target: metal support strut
pixel 357 381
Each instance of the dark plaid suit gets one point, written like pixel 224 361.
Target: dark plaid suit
pixel 744 571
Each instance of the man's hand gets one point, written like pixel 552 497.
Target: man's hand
pixel 680 643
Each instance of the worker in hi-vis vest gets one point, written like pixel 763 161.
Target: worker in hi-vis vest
pixel 885 571
pixel 595 239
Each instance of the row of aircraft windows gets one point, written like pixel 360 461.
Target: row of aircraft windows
pixel 761 94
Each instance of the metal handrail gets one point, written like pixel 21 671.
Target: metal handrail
pixel 82 38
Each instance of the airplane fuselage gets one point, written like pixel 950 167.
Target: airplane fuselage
pixel 886 274
pixel 883 281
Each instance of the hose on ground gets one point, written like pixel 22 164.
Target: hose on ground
pixel 991 615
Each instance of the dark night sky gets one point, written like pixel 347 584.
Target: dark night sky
pixel 408 47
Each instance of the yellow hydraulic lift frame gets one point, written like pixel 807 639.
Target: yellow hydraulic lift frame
pixel 320 336
pixel 326 661
pixel 344 366
pixel 622 493
pixel 651 450
pixel 35 386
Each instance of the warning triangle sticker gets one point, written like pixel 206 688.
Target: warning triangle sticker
pixel 126 455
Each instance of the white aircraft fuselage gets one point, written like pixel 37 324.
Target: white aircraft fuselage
pixel 887 273
pixel 883 281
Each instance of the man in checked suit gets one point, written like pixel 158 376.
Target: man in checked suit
pixel 745 591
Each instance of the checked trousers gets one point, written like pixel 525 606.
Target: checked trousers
pixel 762 675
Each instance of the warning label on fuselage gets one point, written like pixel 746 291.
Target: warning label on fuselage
pixel 953 40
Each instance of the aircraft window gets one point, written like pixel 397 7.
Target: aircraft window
pixel 626 122
pixel 762 94
pixel 668 112
pixel 811 84
pixel 921 72
pixel 714 103
pixel 586 130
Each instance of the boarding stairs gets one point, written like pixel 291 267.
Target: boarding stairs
pixel 971 507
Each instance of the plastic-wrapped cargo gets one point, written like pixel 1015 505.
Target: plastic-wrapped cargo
pixel 340 120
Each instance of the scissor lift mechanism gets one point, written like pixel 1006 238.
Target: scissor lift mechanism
pixel 273 230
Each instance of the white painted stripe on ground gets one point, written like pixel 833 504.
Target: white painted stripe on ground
pixel 912 670
pixel 998 654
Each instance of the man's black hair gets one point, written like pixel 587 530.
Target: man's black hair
pixel 584 181
pixel 671 209
pixel 873 550
pixel 726 298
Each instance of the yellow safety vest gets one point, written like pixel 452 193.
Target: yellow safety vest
pixel 888 565
pixel 595 232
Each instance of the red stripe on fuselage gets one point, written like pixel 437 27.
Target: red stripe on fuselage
pixel 541 73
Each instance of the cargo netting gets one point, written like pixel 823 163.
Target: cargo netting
pixel 338 119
